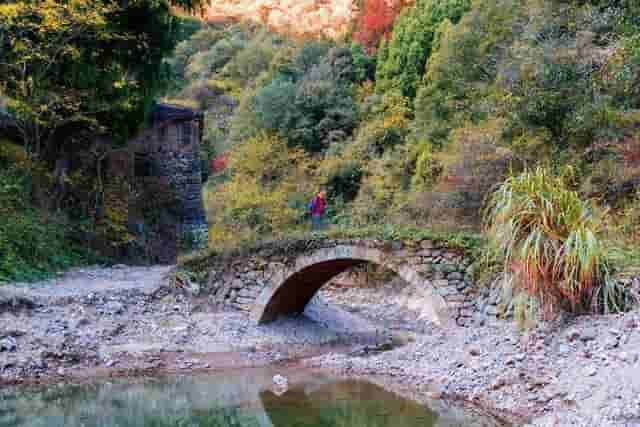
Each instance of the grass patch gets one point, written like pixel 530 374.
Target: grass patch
pixel 549 239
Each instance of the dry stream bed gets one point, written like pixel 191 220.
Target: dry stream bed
pixel 100 324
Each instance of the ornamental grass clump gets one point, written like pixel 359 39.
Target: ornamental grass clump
pixel 548 237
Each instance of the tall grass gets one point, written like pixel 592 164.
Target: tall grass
pixel 549 239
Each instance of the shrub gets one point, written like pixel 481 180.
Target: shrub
pixel 548 236
pixel 311 113
pixel 267 192
pixel 32 243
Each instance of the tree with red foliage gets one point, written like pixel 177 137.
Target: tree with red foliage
pixel 375 21
pixel 218 164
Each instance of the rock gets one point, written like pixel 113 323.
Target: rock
pixel 455 275
pixel 82 321
pixel 589 371
pixel 426 244
pixel 280 381
pixel 11 333
pixel 474 351
pixel 588 335
pixel 498 383
pixel 114 307
pixel 8 344
pixel 573 335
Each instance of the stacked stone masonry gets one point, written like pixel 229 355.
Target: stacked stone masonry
pixel 261 282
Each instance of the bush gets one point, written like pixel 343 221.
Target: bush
pixel 33 244
pixel 267 192
pixel 549 239
pixel 313 113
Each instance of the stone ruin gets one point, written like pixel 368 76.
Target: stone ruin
pixel 155 185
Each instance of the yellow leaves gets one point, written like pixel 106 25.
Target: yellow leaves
pixel 268 190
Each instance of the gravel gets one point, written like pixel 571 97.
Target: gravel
pixel 582 371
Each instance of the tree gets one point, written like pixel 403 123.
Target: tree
pixel 375 21
pixel 80 65
pixel 403 59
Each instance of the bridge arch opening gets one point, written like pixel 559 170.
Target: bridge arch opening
pixel 290 293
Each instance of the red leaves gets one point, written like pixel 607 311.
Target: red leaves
pixel 218 164
pixel 376 21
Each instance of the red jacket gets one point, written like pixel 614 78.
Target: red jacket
pixel 318 205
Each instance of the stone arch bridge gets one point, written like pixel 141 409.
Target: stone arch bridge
pixel 280 278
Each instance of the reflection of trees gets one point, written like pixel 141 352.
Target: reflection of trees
pixel 218 417
pixel 344 404
pixel 225 400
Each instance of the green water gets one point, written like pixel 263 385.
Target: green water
pixel 239 399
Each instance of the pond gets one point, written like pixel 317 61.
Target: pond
pixel 239 399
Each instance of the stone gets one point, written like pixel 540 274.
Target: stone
pixel 441 283
pixel 280 380
pixel 244 300
pixel 491 310
pixel 426 244
pixel 114 307
pixel 588 334
pixel 572 335
pixel 8 344
pixel 474 351
pixel 82 321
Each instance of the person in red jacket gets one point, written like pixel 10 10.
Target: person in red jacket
pixel 317 206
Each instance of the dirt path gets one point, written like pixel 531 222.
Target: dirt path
pixel 84 281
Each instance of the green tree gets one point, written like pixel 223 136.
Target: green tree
pixel 83 64
pixel 402 61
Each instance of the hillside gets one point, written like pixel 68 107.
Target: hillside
pixel 329 18
pixel 456 115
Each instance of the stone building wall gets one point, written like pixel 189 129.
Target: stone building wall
pixel 162 166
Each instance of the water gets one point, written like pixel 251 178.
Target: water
pixel 237 399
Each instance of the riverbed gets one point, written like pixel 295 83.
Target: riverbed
pixel 124 322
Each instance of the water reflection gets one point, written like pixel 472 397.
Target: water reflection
pixel 241 399
pixel 344 403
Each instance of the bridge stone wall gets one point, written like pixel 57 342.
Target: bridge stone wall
pixel 281 280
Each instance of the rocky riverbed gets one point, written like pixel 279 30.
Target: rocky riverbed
pixel 128 321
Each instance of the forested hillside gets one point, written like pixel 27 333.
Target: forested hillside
pixel 420 113
pixel 458 96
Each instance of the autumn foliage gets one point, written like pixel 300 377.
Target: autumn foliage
pixel 376 21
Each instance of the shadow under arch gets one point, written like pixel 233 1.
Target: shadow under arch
pixel 291 290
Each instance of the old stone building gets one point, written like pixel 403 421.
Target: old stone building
pixel 154 187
